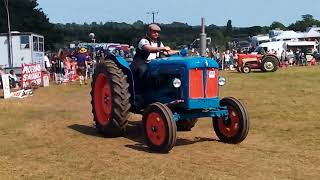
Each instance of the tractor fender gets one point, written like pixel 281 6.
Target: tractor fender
pixel 124 66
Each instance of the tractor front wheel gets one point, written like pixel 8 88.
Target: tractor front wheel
pixel 235 128
pixel 246 69
pixel 110 99
pixel 160 127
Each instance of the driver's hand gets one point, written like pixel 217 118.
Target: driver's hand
pixel 166 48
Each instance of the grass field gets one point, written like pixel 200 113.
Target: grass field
pixel 51 136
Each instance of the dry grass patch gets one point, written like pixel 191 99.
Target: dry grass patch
pixel 51 136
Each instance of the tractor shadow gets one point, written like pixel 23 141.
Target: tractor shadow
pixel 134 132
pixel 252 71
pixel 86 130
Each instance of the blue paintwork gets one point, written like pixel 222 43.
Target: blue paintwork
pixel 216 112
pixel 176 66
pixel 182 65
pixel 188 62
pixel 124 65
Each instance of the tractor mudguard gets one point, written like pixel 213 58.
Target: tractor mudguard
pixel 124 66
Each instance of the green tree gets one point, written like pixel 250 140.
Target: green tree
pixel 229 28
pixel 277 25
pixel 25 16
pixel 307 21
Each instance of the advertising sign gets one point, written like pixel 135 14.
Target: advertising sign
pixel 6 86
pixel 45 81
pixel 31 75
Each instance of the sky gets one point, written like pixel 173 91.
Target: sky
pixel 242 13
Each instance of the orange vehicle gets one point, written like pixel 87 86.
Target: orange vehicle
pixel 257 60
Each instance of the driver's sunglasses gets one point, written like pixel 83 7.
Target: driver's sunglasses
pixel 153 31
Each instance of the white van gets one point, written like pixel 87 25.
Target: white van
pixel 274 46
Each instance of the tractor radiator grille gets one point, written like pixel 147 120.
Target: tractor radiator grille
pixel 200 87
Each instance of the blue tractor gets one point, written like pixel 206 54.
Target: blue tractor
pixel 176 92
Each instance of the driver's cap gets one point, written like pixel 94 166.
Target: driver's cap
pixel 154 27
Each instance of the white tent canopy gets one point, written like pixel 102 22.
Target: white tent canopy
pixel 285 35
pixel 311 34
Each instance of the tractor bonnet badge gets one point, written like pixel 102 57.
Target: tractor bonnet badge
pixel 212 74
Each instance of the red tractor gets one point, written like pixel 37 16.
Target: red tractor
pixel 265 62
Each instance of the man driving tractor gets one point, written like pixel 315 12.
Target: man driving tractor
pixel 149 48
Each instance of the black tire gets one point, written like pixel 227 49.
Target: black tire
pixel 246 69
pixel 269 64
pixel 159 128
pixel 186 125
pixel 110 99
pixel 236 129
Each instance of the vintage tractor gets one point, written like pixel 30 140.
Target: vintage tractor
pixel 177 90
pixel 265 62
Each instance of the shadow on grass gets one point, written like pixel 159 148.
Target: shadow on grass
pixel 84 129
pixel 134 132
pixel 180 142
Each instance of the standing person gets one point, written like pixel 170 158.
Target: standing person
pixel 60 68
pixel 56 67
pixel 283 57
pixel 227 58
pixel 148 48
pixel 290 57
pixel 67 68
pixel 47 64
pixel 82 59
pixel 297 56
pixel 73 70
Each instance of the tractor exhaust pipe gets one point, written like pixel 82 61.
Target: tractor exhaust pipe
pixel 203 39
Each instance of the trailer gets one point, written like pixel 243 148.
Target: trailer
pixel 27 48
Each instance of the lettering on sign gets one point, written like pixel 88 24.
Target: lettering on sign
pixel 31 75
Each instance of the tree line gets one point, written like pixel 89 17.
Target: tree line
pixel 26 16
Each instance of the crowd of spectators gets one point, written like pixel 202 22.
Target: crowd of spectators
pixel 68 66
pixel 296 57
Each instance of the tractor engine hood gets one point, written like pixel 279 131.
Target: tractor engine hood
pixel 188 62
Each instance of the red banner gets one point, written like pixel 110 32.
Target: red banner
pixel 31 75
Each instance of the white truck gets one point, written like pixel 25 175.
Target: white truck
pixel 27 48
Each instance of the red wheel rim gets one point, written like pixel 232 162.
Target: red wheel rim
pixel 102 99
pixel 231 128
pixel 156 131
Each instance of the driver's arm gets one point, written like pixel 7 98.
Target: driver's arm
pixel 171 52
pixel 151 49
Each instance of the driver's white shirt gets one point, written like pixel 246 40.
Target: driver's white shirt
pixel 144 42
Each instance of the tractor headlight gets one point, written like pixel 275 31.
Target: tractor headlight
pixel 221 81
pixel 176 82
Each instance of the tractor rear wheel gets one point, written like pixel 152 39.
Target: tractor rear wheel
pixel 235 129
pixel 269 64
pixel 159 127
pixel 110 99
pixel 186 125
